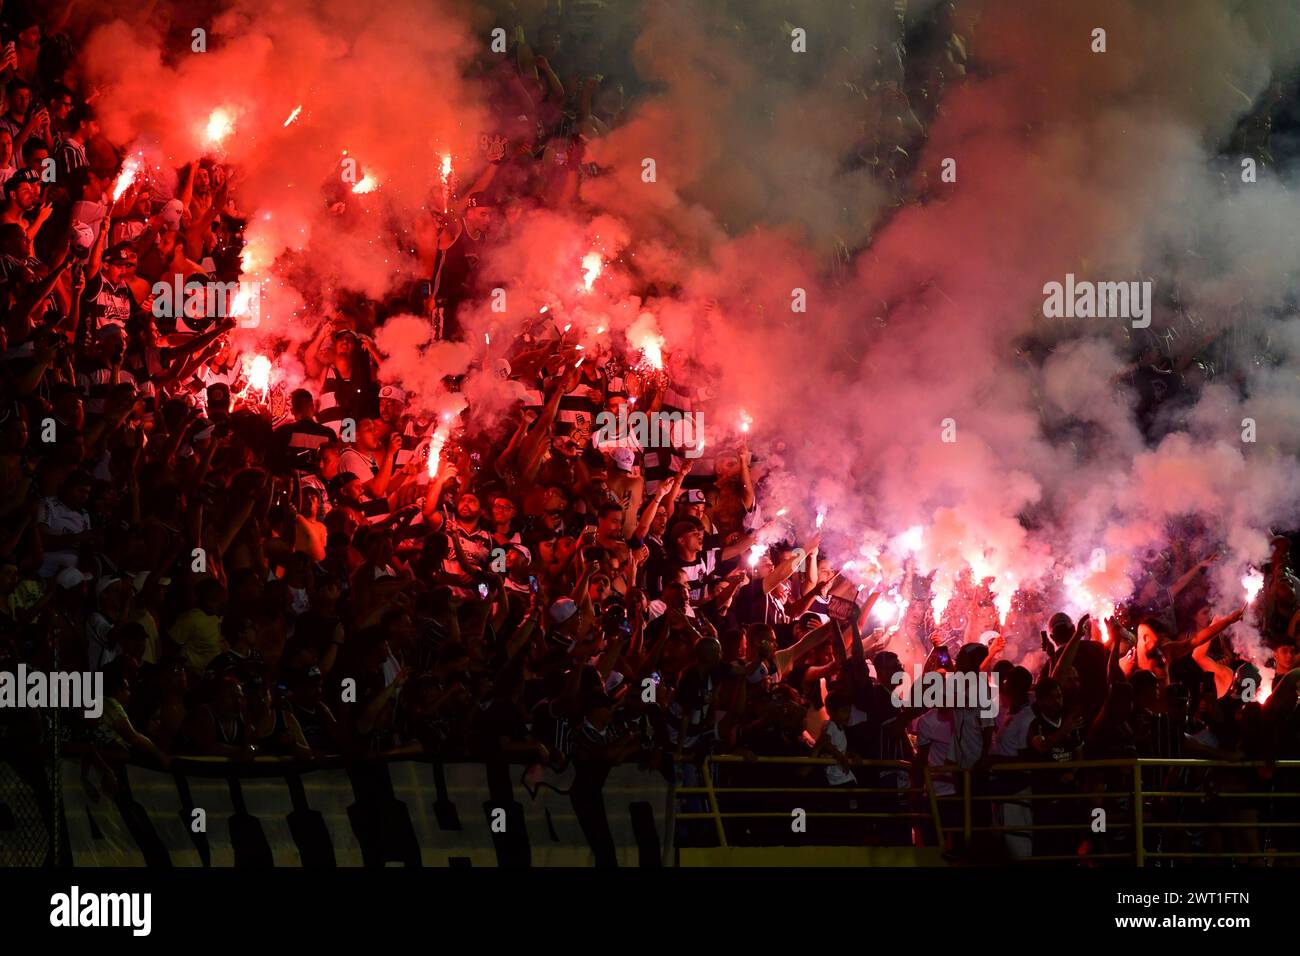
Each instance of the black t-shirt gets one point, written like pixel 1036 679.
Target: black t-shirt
pixel 705 563
pixel 296 445
pixel 696 698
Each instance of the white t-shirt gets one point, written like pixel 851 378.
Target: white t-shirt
pixel 969 725
pixel 1013 738
pixel 58 518
pixel 836 775
pixel 363 466
pixel 934 728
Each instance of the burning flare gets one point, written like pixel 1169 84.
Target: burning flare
pixel 591 269
pixel 220 125
pixel 130 169
pixel 257 370
pixel 444 171
pixel 1252 582
pixel 435 447
pixel 294 115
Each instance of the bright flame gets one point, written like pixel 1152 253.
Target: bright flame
pixel 940 593
pixel 652 348
pixel 755 552
pixel 126 177
pixel 444 171
pixel 591 267
pixel 1252 582
pixel 435 447
pixel 884 609
pixel 242 302
pixel 745 421
pixel 220 125
pixel 257 371
pixel 294 115
pixel 911 539
pixel 368 184
pixel 821 518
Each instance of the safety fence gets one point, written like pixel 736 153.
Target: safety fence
pixel 1127 812
pixel 725 810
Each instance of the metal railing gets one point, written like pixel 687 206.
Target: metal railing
pixel 1141 818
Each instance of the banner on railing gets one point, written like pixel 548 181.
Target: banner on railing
pixel 404 812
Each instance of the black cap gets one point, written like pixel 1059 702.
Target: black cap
pixel 20 177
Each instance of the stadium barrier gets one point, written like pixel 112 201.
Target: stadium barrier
pixel 1129 811
pixel 412 812
pixel 423 812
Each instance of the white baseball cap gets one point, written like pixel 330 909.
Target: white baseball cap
pixel 562 610
pixel 623 458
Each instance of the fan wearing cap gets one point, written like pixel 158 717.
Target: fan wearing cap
pixel 392 412
pixel 345 367
pixel 107 298
pixel 22 194
pixel 688 548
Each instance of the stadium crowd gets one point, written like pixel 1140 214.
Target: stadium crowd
pixel 279 574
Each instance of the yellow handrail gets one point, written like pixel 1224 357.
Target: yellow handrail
pixel 1139 796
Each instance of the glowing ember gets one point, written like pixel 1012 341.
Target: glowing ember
pixel 368 184
pixel 1252 582
pixel 436 442
pixel 130 168
pixel 591 268
pixel 294 115
pixel 220 125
